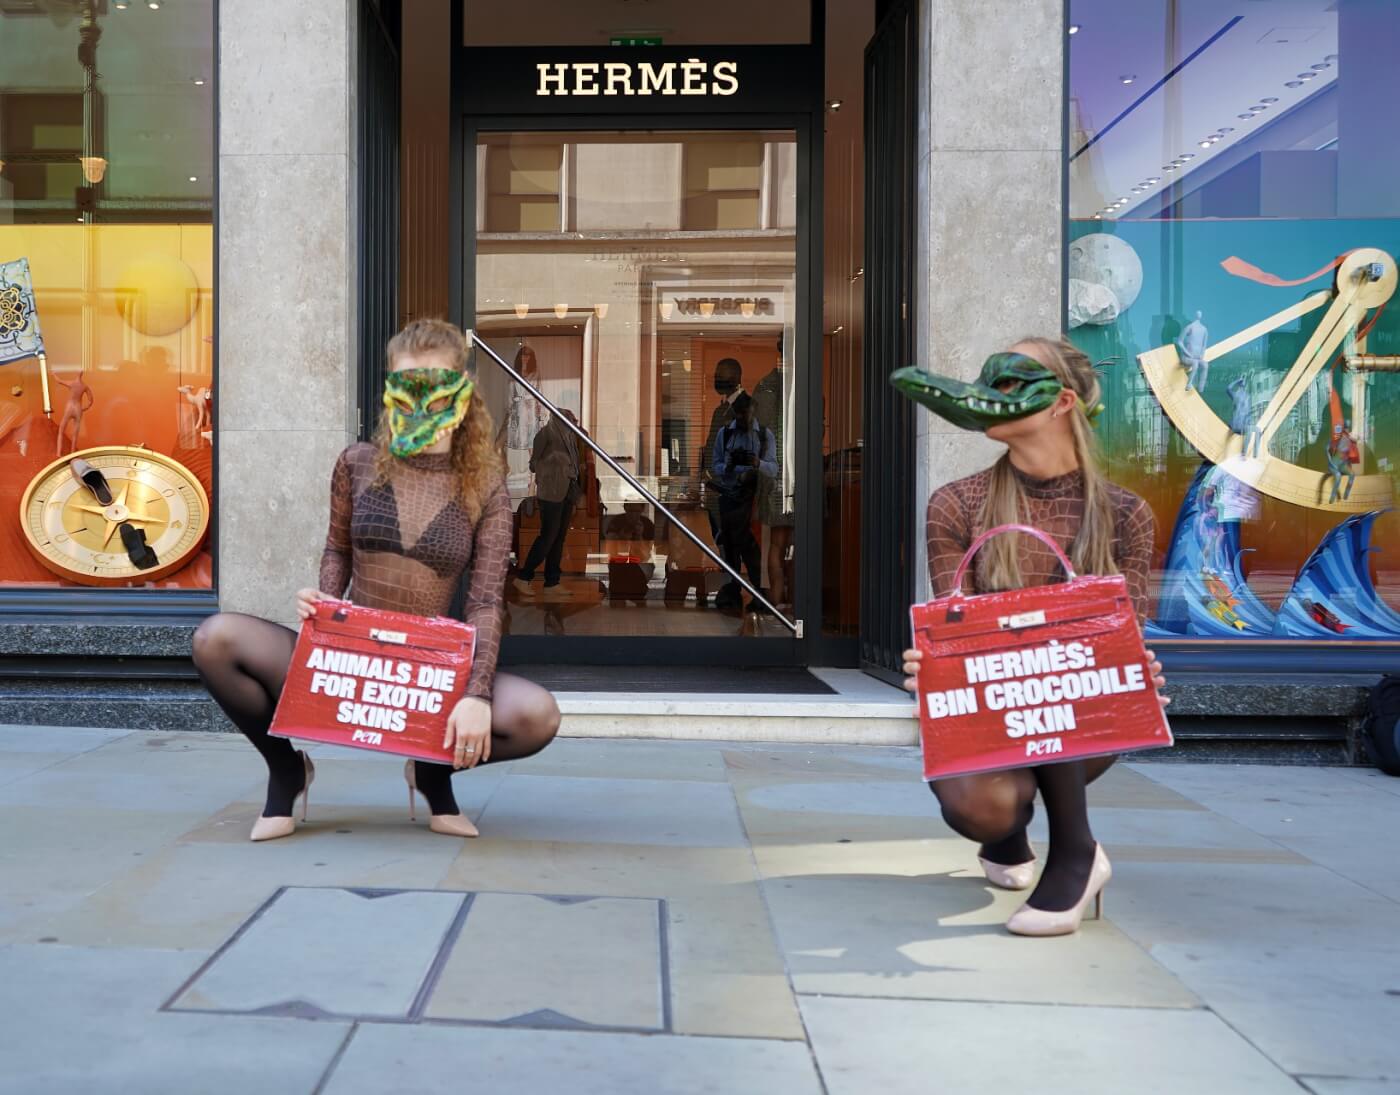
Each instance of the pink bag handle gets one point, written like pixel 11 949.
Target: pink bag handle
pixel 1044 538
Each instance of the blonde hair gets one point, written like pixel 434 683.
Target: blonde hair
pixel 475 457
pixel 1006 503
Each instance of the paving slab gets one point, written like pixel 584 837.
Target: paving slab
pixel 1341 1085
pixel 619 811
pixel 56 739
pixel 940 937
pixel 84 1021
pixel 328 952
pixel 871 1045
pixel 428 1060
pixel 1327 1011
pixel 728 976
pixel 557 962
pixel 605 758
pixel 196 894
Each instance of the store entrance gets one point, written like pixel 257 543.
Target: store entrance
pixel 647 283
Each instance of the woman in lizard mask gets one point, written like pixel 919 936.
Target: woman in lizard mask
pixel 414 515
pixel 1040 399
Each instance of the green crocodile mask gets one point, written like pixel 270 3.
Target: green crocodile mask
pixel 1010 386
pixel 411 396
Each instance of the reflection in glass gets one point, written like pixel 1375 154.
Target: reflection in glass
pixel 656 293
pixel 1234 200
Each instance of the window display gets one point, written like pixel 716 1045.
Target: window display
pixel 1237 288
pixel 106 295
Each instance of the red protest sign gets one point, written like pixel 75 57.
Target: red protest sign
pixel 377 680
pixel 1031 676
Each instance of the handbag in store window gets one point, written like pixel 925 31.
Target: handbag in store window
pixel 373 679
pixel 1033 676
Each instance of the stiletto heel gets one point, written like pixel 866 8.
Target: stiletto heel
pixel 271 828
pixel 1029 921
pixel 446 824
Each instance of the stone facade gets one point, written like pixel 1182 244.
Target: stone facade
pixel 991 159
pixel 285 402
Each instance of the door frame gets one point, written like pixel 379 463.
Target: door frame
pixel 813 648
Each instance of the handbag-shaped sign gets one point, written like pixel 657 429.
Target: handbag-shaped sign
pixel 1032 676
pixel 377 680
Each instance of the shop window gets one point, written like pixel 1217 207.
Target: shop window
pixel 106 296
pixel 523 185
pixel 723 185
pixel 1232 244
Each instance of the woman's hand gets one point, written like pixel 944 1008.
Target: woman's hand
pixel 306 602
pixel 469 732
pixel 1159 681
pixel 913 659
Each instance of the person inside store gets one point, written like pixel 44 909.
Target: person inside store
pixel 729 387
pixel 1048 478
pixel 414 514
pixel 556 463
pixel 744 450
pixel 774 506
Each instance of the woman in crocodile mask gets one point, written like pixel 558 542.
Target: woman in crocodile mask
pixel 1040 399
pixel 419 513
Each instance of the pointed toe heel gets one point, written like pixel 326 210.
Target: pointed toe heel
pixel 1039 922
pixel 273 828
pixel 458 825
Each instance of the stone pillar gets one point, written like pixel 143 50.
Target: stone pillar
pixel 285 402
pixel 990 169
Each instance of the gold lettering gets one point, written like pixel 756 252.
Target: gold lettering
pixel 657 78
pixel 618 73
pixel 586 78
pixel 726 78
pixel 693 76
pixel 551 74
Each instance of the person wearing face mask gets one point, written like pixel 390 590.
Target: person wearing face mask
pixel 415 513
pixel 729 387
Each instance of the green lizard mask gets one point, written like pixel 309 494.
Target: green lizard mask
pixel 1010 386
pixel 424 405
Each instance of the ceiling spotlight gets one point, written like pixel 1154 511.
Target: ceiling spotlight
pixel 1330 57
pixel 194 178
pixel 199 81
pixel 1097 216
pixel 1154 180
pixel 1074 28
pixel 1206 144
pixel 1320 66
pixel 1307 75
pixel 834 105
pixel 1268 102
pixel 1186 156
pixel 154 5
pixel 1170 167
pixel 1225 129
pixel 120 5
pixel 1127 79
pixel 1294 83
pixel 1246 117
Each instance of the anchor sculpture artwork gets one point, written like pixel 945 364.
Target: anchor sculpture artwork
pixel 1299 430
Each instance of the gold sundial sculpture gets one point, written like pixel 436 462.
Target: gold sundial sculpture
pixel 71 530
pixel 1365 279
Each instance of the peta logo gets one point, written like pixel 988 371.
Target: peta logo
pixel 369 737
pixel 399 637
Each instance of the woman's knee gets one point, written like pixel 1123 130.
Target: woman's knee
pixel 984 813
pixel 214 639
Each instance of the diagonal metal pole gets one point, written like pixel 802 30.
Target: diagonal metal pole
pixel 794 626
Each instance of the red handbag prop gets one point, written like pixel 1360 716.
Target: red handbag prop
pixel 376 680
pixel 1031 676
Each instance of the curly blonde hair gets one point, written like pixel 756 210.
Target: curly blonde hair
pixel 476 459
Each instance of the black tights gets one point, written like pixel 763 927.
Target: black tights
pixel 995 808
pixel 243 662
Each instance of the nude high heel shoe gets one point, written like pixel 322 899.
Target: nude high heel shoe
pixel 270 828
pixel 446 824
pixel 1014 876
pixel 1038 922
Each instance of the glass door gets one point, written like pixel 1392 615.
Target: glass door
pixel 647 283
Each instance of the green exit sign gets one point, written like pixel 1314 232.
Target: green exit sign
pixel 635 40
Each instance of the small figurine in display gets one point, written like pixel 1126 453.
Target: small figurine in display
pixel 1191 348
pixel 1242 414
pixel 1342 456
pixel 195 416
pixel 1323 615
pixel 80 400
pixel 1224 613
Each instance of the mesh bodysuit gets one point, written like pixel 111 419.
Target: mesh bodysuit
pixel 405 543
pixel 1055 506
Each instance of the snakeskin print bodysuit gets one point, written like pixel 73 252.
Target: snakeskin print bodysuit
pixel 1055 506
pixel 404 545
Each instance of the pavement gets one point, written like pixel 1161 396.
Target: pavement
pixel 676 917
